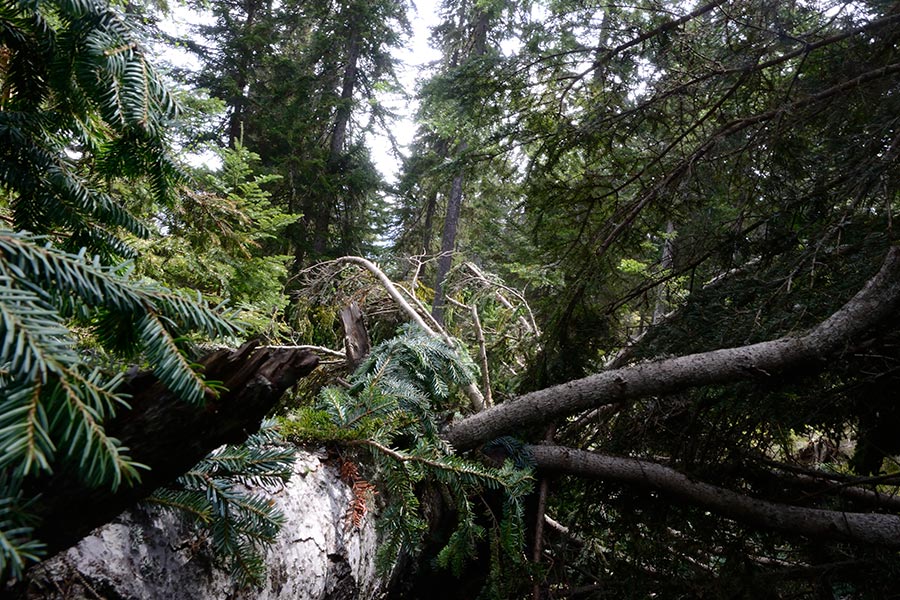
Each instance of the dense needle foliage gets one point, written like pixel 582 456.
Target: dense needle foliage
pixel 214 495
pixel 395 404
pixel 80 106
pixel 592 185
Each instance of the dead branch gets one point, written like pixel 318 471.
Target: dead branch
pixel 865 528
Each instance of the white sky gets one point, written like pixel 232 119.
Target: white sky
pixel 414 56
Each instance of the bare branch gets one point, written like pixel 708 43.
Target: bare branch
pixel 529 324
pixel 864 528
pixel 471 391
pixel 391 290
pixel 316 349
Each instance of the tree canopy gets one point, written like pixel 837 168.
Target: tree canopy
pixel 654 352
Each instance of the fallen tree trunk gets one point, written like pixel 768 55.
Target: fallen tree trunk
pixel 150 553
pixel 863 528
pixel 872 306
pixel 170 436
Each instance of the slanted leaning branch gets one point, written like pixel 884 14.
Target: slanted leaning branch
pixel 871 306
pixel 866 528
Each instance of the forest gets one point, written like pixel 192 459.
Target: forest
pixel 624 325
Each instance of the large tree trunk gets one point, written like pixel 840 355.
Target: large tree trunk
pixel 338 140
pixel 875 304
pixel 170 436
pixel 454 200
pixel 448 241
pixel 243 67
pixel 147 553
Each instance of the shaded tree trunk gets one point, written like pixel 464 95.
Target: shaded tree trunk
pixel 356 336
pixel 454 200
pixel 170 436
pixel 244 65
pixel 442 150
pixel 448 242
pixel 338 140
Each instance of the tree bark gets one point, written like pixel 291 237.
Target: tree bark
pixel 356 336
pixel 338 140
pixel 345 104
pixel 148 553
pixel 873 305
pixel 170 436
pixel 863 528
pixel 448 241
pixel 454 200
pixel 244 65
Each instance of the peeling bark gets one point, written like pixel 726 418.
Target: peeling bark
pixel 873 305
pixel 864 528
pixel 149 553
pixel 170 436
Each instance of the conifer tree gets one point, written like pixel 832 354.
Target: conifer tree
pixel 303 80
pixel 81 107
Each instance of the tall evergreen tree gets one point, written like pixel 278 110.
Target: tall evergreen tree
pixel 453 155
pixel 302 79
pixel 765 134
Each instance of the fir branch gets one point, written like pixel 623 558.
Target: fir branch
pixel 17 548
pixel 239 522
pixel 448 464
pixel 170 365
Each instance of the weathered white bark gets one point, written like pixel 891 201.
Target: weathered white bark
pixel 873 305
pixel 865 528
pixel 152 554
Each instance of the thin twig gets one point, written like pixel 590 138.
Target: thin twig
pixel 482 353
pixel 482 348
pixel 529 324
pixel 322 349
pixel 543 490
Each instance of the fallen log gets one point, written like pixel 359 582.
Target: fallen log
pixel 169 436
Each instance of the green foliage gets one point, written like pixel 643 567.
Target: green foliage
pixel 307 425
pixel 239 524
pixel 738 158
pixel 221 239
pixel 80 105
pixel 412 374
pixel 18 547
pixel 297 77
pixel 81 111
pixel 53 402
pixel 395 404
pixel 617 162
